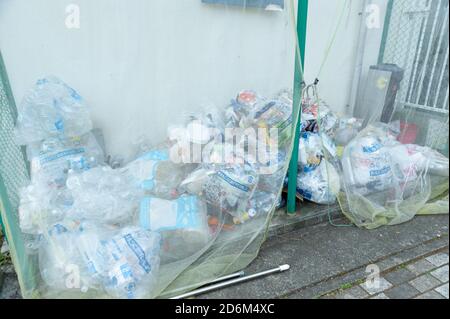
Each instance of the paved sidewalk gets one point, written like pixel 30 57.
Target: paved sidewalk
pixel 331 262
pixel 425 278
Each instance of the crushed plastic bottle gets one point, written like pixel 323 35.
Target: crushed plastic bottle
pixel 236 115
pixel 53 158
pixel 104 195
pixel 260 204
pixel 367 164
pixel 318 116
pixel 410 161
pixel 125 262
pixel 40 206
pixel 251 110
pixel 273 114
pixel 320 184
pixel 60 262
pixel 272 172
pixel 227 188
pixel 347 130
pixel 51 109
pixel 182 223
pixel 157 175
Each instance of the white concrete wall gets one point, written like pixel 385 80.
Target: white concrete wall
pixel 338 70
pixel 143 64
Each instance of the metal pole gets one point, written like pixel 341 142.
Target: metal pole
pixel 207 283
pixel 302 20
pixel 232 282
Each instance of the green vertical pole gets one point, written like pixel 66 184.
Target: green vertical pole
pixel 387 23
pixel 302 20
pixel 2 227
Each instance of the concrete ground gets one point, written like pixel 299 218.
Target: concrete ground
pixel 398 262
pixel 404 261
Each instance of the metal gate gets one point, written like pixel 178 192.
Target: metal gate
pixel 416 38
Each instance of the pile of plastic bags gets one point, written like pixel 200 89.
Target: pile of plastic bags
pixel 322 135
pixel 375 175
pixel 387 182
pixel 117 225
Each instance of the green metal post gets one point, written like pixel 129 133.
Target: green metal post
pixel 302 19
pixel 387 22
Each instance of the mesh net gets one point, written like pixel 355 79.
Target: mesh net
pixel 159 144
pixel 384 153
pixel 145 180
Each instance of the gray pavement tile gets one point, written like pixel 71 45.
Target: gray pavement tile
pixel 420 229
pixel 380 296
pixel 375 288
pixel 400 276
pixel 443 290
pixel 403 291
pixel 358 292
pixel 441 273
pixel 430 295
pixel 438 260
pixel 425 282
pixel 420 267
pixel 345 295
pixel 355 292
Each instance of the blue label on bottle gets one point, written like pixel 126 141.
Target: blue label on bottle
pixel 372 148
pixel 139 252
pixel 232 182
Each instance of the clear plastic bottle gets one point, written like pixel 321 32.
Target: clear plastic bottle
pixel 105 195
pixel 53 158
pixel 157 175
pixel 125 262
pixel 183 224
pixel 51 109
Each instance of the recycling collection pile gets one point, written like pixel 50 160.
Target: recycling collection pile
pixel 377 179
pixel 387 182
pixel 119 224
pixel 322 134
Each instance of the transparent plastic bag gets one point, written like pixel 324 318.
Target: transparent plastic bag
pixel 151 111
pixel 156 174
pixel 52 159
pixel 126 262
pixel 320 184
pixel 104 195
pixel 183 220
pixel 52 109
pixel 227 188
pixel 120 263
pixel 40 206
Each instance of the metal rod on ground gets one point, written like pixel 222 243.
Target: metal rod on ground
pixel 232 282
pixel 215 281
pixel 228 277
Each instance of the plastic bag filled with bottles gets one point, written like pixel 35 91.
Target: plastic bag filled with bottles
pixel 144 144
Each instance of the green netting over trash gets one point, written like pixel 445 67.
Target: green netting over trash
pixel 397 165
pixel 151 139
pixel 384 155
pixel 150 143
